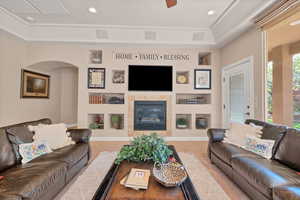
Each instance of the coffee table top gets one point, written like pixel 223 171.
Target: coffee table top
pixel 111 189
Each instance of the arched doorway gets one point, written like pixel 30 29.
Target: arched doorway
pixel 63 90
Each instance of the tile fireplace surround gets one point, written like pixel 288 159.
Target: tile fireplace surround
pixel 163 98
pixel 150 115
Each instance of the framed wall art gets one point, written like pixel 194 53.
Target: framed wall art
pixel 118 76
pixel 202 79
pixel 34 85
pixel 96 56
pixel 96 78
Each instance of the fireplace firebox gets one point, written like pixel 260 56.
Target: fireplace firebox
pixel 150 115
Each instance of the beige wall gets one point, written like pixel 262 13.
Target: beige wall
pixel 249 44
pixel 14 109
pixel 69 95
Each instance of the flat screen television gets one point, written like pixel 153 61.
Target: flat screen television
pixel 150 78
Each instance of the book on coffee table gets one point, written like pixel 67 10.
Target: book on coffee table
pixel 136 179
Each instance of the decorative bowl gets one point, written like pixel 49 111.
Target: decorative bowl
pixel 171 174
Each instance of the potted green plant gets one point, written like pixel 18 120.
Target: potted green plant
pixel 145 148
pixel 116 121
pixel 182 123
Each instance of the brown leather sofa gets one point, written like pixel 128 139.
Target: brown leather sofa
pixel 43 177
pixel 260 178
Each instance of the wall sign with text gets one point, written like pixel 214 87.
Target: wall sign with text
pixel 150 56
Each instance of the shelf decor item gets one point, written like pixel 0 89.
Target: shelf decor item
pixel 96 56
pixel 201 123
pixel 96 78
pixel 116 121
pixel 182 123
pixel 118 76
pixel 34 85
pixel 202 79
pixel 204 58
pixel 97 121
pixel 145 148
pixel 182 77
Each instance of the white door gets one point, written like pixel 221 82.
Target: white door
pixel 237 89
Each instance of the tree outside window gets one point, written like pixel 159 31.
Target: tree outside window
pixel 296 90
pixel 269 85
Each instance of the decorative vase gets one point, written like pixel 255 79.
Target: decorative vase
pixel 201 123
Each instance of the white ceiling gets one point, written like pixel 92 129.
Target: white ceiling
pixel 187 15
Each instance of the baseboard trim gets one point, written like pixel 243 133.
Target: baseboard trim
pixel 121 139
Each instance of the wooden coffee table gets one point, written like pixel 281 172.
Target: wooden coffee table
pixel 111 189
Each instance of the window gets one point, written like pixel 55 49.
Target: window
pixel 269 86
pixel 296 90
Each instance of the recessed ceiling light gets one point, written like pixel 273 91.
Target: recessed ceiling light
pixel 294 23
pixel 31 19
pixel 92 10
pixel 211 12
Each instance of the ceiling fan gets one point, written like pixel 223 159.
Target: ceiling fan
pixel 171 3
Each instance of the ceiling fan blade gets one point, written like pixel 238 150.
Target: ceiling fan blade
pixel 171 3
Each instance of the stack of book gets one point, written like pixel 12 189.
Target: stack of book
pixel 96 99
pixel 136 179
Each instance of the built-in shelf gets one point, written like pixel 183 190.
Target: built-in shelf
pixel 204 59
pixel 193 98
pixel 202 121
pixel 183 121
pixel 117 121
pixel 96 121
pixel 106 98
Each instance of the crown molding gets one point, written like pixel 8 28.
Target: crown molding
pixel 87 33
pixel 13 24
pixel 226 36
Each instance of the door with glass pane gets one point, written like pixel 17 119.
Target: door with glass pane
pixel 237 98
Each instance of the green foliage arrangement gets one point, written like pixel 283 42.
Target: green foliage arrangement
pixel 145 148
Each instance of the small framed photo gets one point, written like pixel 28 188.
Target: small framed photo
pixel 118 76
pixel 96 56
pixel 96 78
pixel 34 85
pixel 202 79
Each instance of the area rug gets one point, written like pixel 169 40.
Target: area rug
pixel 86 184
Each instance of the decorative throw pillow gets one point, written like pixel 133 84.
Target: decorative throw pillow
pixel 238 132
pixel 55 134
pixel 259 146
pixel 29 151
pixel 17 136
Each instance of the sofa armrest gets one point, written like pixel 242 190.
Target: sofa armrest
pixel 216 134
pixel 80 135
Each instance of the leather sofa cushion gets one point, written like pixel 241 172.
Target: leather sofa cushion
pixel 291 192
pixel 32 180
pixel 264 174
pixel 19 135
pixel 10 197
pixel 70 154
pixel 289 148
pixel 269 131
pixel 226 151
pixel 7 155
